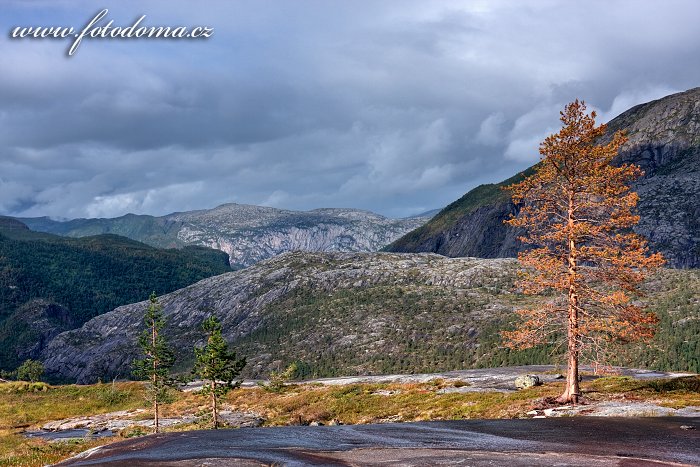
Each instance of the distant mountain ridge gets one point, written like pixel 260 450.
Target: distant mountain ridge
pixel 664 139
pixel 247 233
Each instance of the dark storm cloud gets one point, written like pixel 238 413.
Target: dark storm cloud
pixel 396 107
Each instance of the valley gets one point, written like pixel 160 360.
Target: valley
pixel 50 284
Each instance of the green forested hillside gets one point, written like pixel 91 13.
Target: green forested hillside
pixel 438 329
pixel 675 298
pixel 50 283
pixel 479 197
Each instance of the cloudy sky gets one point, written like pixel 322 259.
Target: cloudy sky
pixel 392 106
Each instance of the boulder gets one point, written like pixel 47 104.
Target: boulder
pixel 527 381
pixel 235 419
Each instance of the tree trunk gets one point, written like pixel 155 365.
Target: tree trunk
pixel 214 410
pixel 156 423
pixel 572 392
pixel 154 376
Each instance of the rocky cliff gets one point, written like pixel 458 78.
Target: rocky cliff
pixel 248 233
pixel 664 139
pixel 353 313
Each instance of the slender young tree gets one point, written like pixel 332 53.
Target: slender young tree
pixel 577 211
pixel 217 366
pixel 158 359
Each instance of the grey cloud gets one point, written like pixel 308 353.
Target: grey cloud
pixel 393 106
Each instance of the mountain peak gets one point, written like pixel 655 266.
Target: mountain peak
pixel 664 140
pixel 671 120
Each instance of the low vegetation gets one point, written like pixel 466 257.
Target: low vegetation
pixel 294 404
pixel 26 405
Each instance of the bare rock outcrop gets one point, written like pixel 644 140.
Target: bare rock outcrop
pixel 323 305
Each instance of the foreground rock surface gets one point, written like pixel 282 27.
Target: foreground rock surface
pixel 486 379
pixel 541 442
pixel 115 421
pixel 617 409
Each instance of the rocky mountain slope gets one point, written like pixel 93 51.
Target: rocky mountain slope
pixel 664 139
pixel 248 233
pixel 357 313
pixel 49 284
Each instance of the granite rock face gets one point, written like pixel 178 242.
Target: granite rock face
pixel 480 233
pixel 664 140
pixel 252 233
pixel 255 302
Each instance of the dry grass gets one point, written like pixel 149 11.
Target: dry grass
pixel 676 393
pixel 25 405
pixel 16 450
pixel 21 409
pixel 370 403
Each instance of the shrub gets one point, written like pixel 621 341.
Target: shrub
pixel 30 370
pixel 132 432
pixel 110 395
pixel 279 379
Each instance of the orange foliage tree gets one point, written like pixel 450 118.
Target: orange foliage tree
pixel 576 212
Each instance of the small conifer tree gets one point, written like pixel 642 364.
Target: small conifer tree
pixel 217 366
pixel 278 379
pixel 158 360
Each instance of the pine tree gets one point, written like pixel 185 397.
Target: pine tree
pixel 158 360
pixel 577 212
pixel 217 366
